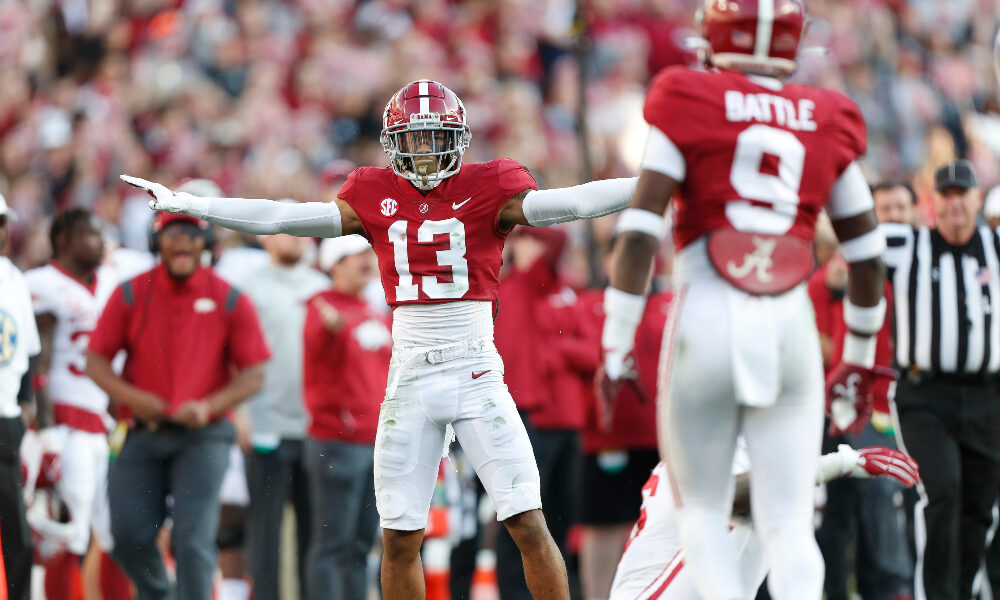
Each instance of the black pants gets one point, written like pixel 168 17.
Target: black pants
pixel 953 431
pixel 557 453
pixel 188 465
pixel 274 478
pixel 14 530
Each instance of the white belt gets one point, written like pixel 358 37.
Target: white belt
pixel 434 355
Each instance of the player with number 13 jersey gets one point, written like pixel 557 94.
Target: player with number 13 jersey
pixel 445 245
pixel 438 228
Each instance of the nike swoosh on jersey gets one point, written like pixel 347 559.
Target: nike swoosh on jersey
pixel 480 374
pixel 458 205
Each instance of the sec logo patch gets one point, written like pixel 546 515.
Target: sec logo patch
pixel 8 337
pixel 389 207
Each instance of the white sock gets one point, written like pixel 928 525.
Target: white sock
pixel 234 589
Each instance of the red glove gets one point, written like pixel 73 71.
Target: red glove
pixel 849 396
pixel 50 469
pixel 876 461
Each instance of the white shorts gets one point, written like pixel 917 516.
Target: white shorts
pixel 670 580
pixel 461 386
pixel 83 486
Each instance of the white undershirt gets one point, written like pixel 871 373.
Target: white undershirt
pixel 443 323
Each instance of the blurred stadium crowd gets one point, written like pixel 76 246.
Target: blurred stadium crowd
pixel 274 99
pixel 266 98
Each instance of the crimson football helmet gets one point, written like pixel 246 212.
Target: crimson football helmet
pixel 754 36
pixel 425 133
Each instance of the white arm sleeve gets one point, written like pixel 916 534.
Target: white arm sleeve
pixel 850 194
pixel 267 217
pixel 585 201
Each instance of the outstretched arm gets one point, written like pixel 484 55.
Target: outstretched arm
pixel 641 229
pixel 256 216
pixel 862 244
pixel 590 200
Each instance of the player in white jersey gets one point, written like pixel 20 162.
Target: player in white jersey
pixel 652 565
pixel 68 295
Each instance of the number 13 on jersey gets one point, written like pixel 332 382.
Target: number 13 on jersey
pixel 453 256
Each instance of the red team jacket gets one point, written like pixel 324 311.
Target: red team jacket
pixel 182 338
pixel 516 335
pixel 634 424
pixel 566 362
pixel 830 321
pixel 345 371
pixel 779 151
pixel 441 247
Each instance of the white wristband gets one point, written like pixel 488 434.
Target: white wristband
pixel 859 351
pixel 643 221
pixel 864 247
pixel 864 319
pixel 622 313
pixel 836 464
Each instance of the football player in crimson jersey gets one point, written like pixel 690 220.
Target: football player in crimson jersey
pixel 653 564
pixel 751 161
pixel 438 227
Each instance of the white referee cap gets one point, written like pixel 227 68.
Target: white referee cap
pixel 991 206
pixel 6 210
pixel 333 250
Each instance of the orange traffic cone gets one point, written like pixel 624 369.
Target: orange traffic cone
pixel 484 579
pixel 3 578
pixel 437 568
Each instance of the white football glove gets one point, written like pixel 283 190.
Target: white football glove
pixel 619 366
pixel 166 200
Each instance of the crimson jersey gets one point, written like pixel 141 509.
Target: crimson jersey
pixel 757 159
pixel 444 246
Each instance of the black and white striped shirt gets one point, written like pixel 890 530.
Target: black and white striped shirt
pixel 947 300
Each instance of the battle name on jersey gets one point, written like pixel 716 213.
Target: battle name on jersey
pixel 768 108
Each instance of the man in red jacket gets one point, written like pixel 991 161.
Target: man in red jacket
pixel 347 350
pixel 194 350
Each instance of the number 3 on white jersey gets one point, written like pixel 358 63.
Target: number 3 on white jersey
pixel 453 256
pixel 781 190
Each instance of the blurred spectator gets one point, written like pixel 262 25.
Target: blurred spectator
pixel 178 318
pixel 347 347
pixel 19 342
pixel 991 208
pixel 896 202
pixel 619 455
pixel 276 471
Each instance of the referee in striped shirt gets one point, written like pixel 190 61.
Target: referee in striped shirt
pixel 946 285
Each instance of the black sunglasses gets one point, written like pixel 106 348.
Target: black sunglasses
pixel 175 230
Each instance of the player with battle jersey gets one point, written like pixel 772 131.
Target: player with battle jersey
pixel 746 161
pixel 438 228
